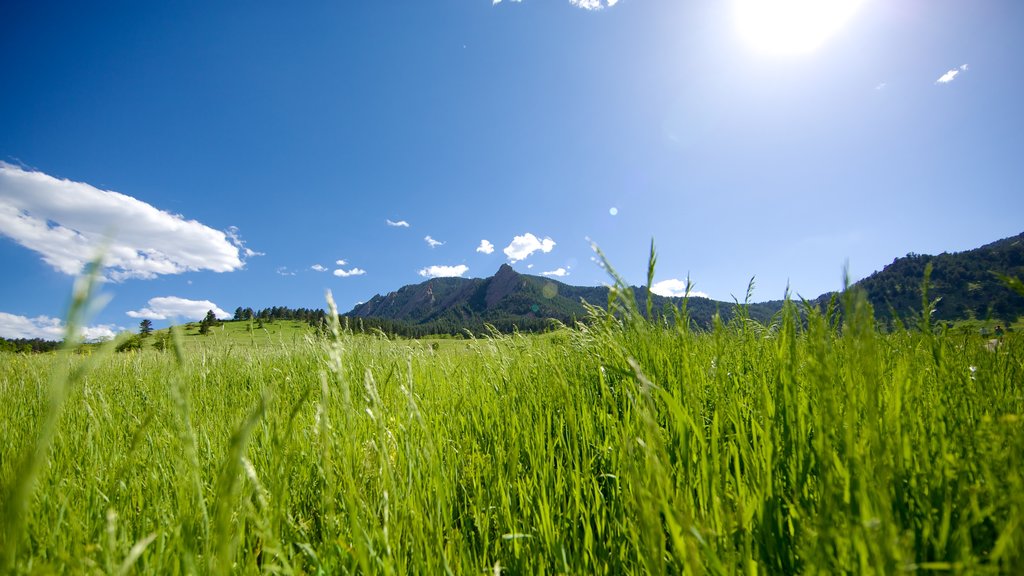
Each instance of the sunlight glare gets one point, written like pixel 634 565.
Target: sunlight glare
pixel 786 27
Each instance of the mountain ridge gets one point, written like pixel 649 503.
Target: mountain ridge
pixel 510 296
pixel 966 283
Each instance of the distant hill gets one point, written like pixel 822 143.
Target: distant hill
pixel 967 284
pixel 507 299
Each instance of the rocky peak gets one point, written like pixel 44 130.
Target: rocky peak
pixel 504 282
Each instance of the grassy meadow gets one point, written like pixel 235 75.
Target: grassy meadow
pixel 812 445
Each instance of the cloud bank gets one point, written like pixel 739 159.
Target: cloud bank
pixel 47 328
pixel 68 222
pixel 485 247
pixel 522 246
pixel 171 307
pixel 443 271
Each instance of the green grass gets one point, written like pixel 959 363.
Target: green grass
pixel 241 333
pixel 627 447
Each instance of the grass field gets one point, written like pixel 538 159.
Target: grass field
pixel 626 447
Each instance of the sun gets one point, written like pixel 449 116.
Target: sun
pixel 789 27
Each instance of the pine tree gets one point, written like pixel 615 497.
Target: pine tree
pixel 145 328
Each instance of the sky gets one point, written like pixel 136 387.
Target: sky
pixel 257 154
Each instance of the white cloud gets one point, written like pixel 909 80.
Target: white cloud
pixel 47 328
pixel 399 224
pixel 284 271
pixel 523 246
pixel 585 4
pixel 485 247
pixel 341 262
pixel 443 271
pixel 172 307
pixel 318 268
pixel 951 74
pixel 880 86
pixel 593 4
pixel 433 243
pixel 68 222
pixel 342 273
pixel 232 235
pixel 560 272
pixel 675 288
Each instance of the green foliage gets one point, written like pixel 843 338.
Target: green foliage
pixel 967 285
pixel 162 341
pixel 27 345
pixel 130 344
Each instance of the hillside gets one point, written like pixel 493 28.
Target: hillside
pixel 967 284
pixel 507 299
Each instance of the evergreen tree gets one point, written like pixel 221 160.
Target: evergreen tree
pixel 145 328
pixel 209 320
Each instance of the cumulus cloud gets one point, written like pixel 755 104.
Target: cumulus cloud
pixel 443 271
pixel 674 288
pixel 341 262
pixel 318 268
pixel 560 272
pixel 485 247
pixel 171 307
pixel 399 224
pixel 68 222
pixel 342 273
pixel 950 75
pixel 522 246
pixel 47 328
pixel 433 243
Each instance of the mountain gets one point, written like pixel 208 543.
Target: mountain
pixel 966 284
pixel 510 299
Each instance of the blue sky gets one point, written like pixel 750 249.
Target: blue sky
pixel 225 149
